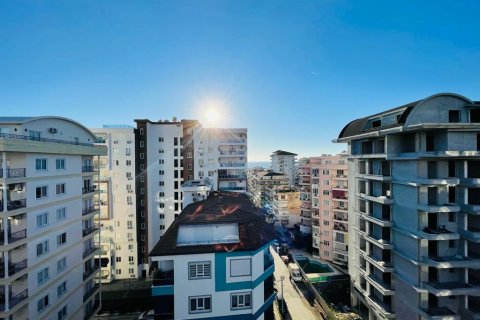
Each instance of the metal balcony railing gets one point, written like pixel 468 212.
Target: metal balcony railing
pixel 88 168
pixel 88 210
pixel 90 271
pixel 21 137
pixel 89 189
pixel 13 173
pixel 19 297
pixel 16 204
pixel 89 251
pixel 90 292
pixel 89 230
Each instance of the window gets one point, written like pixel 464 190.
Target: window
pixel 453 116
pixel 118 271
pixel 199 270
pixel 118 259
pixel 61 239
pixel 161 151
pixel 326 192
pixel 42 220
pixel 62 288
pixel 129 163
pixel 161 194
pixel 161 172
pixel 160 139
pixel 61 213
pixel 175 141
pixel 189 155
pixel 326 222
pixel 241 300
pixel 42 303
pixel 142 155
pixel 161 216
pixel 325 172
pixel 42 248
pixel 41 164
pixel 200 304
pixel 326 202
pixel 128 151
pixel 240 267
pixel 161 161
pixel 131 270
pixel 162 227
pixel 141 131
pixel 326 182
pixel 161 205
pixel 189 167
pixel 142 144
pixel 60 164
pixel 41 192
pixel 175 152
pixel 176 206
pixel 161 183
pixel 62 314
pixel 62 264
pixel 60 188
pixel 42 276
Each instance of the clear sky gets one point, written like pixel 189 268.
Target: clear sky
pixel 292 72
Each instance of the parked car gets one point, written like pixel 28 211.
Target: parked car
pixel 147 315
pixel 294 271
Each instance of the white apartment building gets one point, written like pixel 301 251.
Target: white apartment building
pixel 195 190
pixel 208 265
pixel 221 157
pixel 117 202
pixel 170 153
pixel 48 220
pixel 285 162
pixel 413 211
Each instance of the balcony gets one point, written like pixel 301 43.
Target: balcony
pixel 32 138
pixel 452 288
pixel 231 188
pixel 439 233
pixel 438 313
pixel 232 153
pixel 380 263
pixel 163 278
pixel 472 234
pixel 232 176
pixel 91 311
pixel 13 268
pixel 338 226
pixel 379 199
pixel 382 243
pixel 451 262
pixel 88 169
pixel 90 251
pixel 381 222
pixel 13 173
pixel 438 208
pixel 340 177
pixel 385 308
pixel 232 141
pixel 16 204
pixel 89 230
pixel 89 189
pixel 384 287
pixel 90 271
pixel 19 297
pixel 14 236
pixel 90 292
pixel 89 210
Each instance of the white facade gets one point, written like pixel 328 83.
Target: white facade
pixel 48 219
pixel 118 242
pixel 285 162
pixel 221 157
pixel 195 190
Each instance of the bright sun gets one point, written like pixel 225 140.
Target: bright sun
pixel 212 116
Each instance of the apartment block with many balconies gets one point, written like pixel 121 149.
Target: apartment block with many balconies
pixel 48 219
pixel 329 202
pixel 117 202
pixel 414 201
pixel 285 162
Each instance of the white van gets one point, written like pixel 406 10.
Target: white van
pixel 294 271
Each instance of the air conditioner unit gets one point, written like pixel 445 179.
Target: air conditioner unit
pixel 52 130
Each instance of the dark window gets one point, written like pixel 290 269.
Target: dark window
pixel 478 141
pixel 453 115
pixel 451 217
pixel 451 243
pixel 175 174
pixel 175 163
pixel 430 142
pixel 176 195
pixel 376 123
pixel 452 194
pixel 475 115
pixel 451 168
pixel 176 206
pixel 175 141
pixel 175 184
pixel 175 152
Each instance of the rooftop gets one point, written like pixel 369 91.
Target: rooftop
pixel 283 153
pixel 220 208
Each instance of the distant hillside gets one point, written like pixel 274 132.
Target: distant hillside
pixel 264 164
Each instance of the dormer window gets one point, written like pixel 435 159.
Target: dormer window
pixel 376 123
pixel 453 116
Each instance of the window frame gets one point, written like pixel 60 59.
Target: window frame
pixel 197 298
pixel 41 164
pixel 60 164
pixel 44 306
pixel 197 264
pixel 244 306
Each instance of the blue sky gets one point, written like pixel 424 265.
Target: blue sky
pixel 292 72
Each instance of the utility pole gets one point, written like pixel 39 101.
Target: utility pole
pixel 281 284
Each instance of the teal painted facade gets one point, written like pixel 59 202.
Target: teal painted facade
pixel 221 271
pixel 162 290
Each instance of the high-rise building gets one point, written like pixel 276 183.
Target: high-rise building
pixel 329 202
pixel 285 205
pixel 117 201
pixel 414 203
pixel 208 264
pixel 260 184
pixel 170 153
pixel 221 157
pixel 285 162
pixel 49 219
